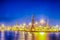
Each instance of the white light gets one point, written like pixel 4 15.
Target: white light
pixel 59 28
pixel 24 24
pixel 42 33
pixel 42 21
pixel 30 23
pixel 2 25
pixel 36 22
pixel 56 25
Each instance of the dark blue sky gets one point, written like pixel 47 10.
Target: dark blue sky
pixel 21 11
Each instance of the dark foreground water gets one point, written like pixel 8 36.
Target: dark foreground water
pixel 9 35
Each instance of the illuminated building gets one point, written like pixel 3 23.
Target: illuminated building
pixel 31 28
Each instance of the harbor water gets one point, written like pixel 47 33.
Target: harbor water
pixel 10 35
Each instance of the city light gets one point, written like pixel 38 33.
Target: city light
pixel 36 23
pixel 38 29
pixel 41 33
pixel 30 23
pixel 42 21
pixel 24 24
pixel 29 19
pixel 56 25
pixel 42 36
pixel 2 25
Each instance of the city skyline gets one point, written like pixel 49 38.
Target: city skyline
pixel 29 20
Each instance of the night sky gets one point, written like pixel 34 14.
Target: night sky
pixel 12 11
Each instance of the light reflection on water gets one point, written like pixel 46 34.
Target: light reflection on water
pixel 9 35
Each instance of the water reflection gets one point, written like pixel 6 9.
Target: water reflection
pixel 9 35
pixel 0 35
pixel 52 36
pixel 58 36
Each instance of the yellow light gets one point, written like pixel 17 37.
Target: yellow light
pixel 42 21
pixel 33 30
pixel 29 33
pixel 40 36
pixel 8 28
